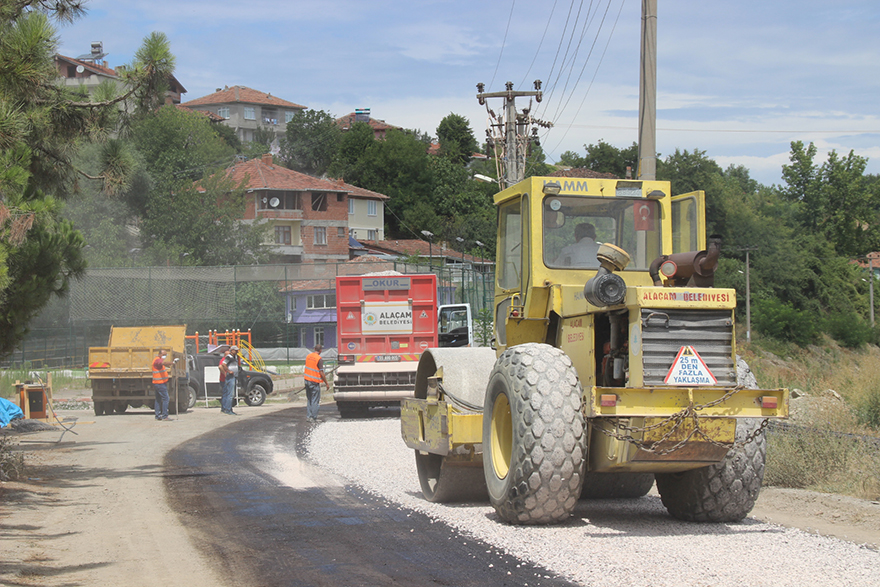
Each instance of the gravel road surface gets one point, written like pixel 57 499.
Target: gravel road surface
pixel 606 542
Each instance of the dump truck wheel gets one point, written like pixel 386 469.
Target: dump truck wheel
pixel 443 482
pixel 183 393
pixel 534 439
pixel 725 492
pixel 120 407
pixel 193 396
pixel 616 485
pixel 99 408
pixel 255 394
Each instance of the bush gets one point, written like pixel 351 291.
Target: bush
pixel 11 461
pixel 783 322
pixel 868 408
pixel 849 329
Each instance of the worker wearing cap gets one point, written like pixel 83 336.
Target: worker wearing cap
pixel 313 376
pixel 160 384
pixel 229 366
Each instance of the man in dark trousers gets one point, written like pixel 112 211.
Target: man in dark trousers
pixel 160 384
pixel 229 367
pixel 313 376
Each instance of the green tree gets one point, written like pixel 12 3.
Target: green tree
pixel 571 159
pixel 457 142
pixel 606 158
pixel 42 126
pixel 311 142
pixel 191 213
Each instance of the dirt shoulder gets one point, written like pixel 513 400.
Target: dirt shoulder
pixel 93 509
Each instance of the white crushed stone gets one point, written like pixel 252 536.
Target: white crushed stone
pixel 606 542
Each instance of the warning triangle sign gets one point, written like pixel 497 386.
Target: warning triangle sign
pixel 689 368
pixel 350 316
pixel 423 314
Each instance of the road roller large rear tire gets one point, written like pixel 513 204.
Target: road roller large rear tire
pixel 534 436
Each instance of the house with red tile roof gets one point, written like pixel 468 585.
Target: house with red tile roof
pixel 380 127
pixel 245 109
pixel 434 253
pixel 90 70
pixel 308 217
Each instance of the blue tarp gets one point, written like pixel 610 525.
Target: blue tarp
pixel 8 412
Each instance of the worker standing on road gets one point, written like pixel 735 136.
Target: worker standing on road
pixel 160 384
pixel 314 375
pixel 229 367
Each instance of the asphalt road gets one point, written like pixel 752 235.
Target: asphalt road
pixel 268 517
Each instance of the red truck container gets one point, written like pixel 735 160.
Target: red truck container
pixel 385 322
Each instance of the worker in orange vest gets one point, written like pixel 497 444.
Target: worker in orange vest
pixel 314 375
pixel 160 384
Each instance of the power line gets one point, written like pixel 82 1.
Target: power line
pixel 721 130
pixel 503 42
pixel 540 44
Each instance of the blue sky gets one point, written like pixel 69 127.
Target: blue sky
pixel 739 80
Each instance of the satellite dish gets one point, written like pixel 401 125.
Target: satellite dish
pixel 80 69
pixel 274 202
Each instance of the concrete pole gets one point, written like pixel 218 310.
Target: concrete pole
pixel 648 93
pixel 871 287
pixel 748 302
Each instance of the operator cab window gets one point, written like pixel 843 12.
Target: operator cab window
pixel 574 227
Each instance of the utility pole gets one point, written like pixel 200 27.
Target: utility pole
pixel 648 93
pixel 748 294
pixel 510 132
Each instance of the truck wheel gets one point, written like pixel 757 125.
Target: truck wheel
pixel 255 394
pixel 616 485
pixel 183 398
pixel 444 483
pixel 192 397
pixel 725 492
pixel 120 407
pixel 99 408
pixel 352 409
pixel 534 439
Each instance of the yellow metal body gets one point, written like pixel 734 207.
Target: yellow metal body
pixel 537 299
pixel 124 367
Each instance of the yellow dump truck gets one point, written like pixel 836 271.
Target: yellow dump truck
pixel 121 373
pixel 614 365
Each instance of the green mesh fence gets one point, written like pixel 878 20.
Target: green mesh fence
pixel 211 298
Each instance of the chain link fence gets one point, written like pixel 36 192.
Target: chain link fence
pixel 255 298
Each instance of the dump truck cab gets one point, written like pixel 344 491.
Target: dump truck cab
pixel 614 356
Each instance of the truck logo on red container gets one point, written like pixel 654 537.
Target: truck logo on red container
pixel 383 283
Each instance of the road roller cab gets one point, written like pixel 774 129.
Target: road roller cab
pixel 615 363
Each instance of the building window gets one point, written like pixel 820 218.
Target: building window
pixel 282 235
pixel 372 235
pixel 340 197
pixel 303 338
pixel 279 200
pixel 320 235
pixel 71 71
pixel 223 112
pixel 321 301
pixel 319 202
pixel 270 116
pixel 341 232
pixel 288 116
pixel 319 335
pixel 350 206
pixel 293 304
pixel 250 113
pixel 371 207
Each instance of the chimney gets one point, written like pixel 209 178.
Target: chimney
pixel 267 159
pixel 236 93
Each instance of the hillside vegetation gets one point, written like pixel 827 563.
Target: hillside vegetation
pixel 831 442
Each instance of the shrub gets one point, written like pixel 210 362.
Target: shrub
pixel 11 461
pixel 849 329
pixel 868 408
pixel 783 322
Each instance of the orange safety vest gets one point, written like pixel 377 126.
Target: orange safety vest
pixel 160 374
pixel 312 373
